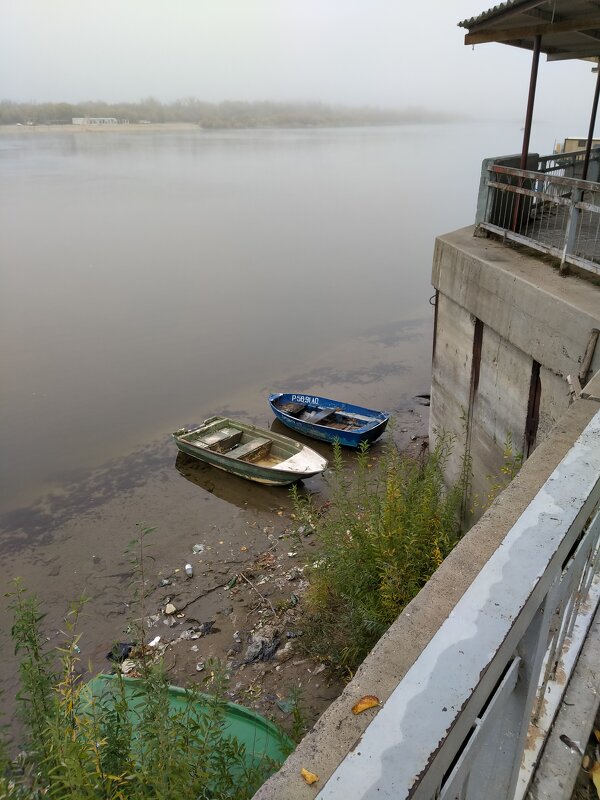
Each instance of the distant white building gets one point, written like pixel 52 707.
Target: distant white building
pixel 99 121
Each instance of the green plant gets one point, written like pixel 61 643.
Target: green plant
pixel 126 744
pixel 388 527
pixel 512 461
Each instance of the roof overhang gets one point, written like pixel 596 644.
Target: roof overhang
pixel 569 29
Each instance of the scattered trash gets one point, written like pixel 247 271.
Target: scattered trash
pixel 309 777
pixel 232 582
pixel 285 652
pixel 165 582
pixel 198 548
pixel 120 651
pixel 199 630
pixel 287 705
pixel 292 553
pixel 294 599
pixel 269 529
pixel 318 669
pixel 128 665
pixel 261 648
pixel 236 637
pixel 200 666
pixel 154 641
pixel 575 747
pixel 189 570
pixel 366 702
pixel 294 574
pixel 301 530
pixel 170 608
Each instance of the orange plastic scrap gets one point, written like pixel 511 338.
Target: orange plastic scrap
pixel 368 701
pixel 309 777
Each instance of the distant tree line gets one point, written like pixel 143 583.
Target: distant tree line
pixel 229 114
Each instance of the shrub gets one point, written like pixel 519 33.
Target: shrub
pixel 387 528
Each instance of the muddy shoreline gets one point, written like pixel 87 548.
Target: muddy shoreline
pixel 242 603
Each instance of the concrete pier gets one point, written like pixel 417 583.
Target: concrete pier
pixel 510 330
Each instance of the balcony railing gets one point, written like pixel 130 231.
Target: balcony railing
pixel 469 718
pixel 546 207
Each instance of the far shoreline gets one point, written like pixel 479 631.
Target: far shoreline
pixel 192 126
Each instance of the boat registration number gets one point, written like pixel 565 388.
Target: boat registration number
pixel 302 398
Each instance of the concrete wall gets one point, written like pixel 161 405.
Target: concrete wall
pixel 529 313
pixel 339 731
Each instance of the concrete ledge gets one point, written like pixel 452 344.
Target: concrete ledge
pixel 560 764
pixel 338 731
pixel 521 297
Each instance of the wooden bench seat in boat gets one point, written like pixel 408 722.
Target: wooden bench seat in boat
pixel 223 438
pixel 251 448
pixel 323 415
pixel 293 409
pixel 225 442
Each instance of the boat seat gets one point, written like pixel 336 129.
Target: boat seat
pixel 323 415
pixel 211 438
pixel 225 442
pixel 293 409
pixel 249 449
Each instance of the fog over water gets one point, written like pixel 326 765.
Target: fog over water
pixel 148 278
pixel 352 52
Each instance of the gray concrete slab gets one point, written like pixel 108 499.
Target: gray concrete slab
pixel 560 763
pixel 338 730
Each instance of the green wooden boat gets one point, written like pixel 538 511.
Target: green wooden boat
pixel 250 452
pixel 262 740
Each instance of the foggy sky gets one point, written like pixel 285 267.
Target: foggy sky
pixel 388 53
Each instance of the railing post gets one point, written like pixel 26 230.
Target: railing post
pixel 495 772
pixel 484 191
pixel 571 232
pixel 594 167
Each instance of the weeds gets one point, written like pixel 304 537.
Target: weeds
pixel 387 529
pixel 120 739
pixel 512 461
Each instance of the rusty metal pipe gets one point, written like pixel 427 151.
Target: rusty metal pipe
pixel 531 98
pixel 588 144
pixel 535 60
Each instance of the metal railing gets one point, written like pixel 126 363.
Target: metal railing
pixel 470 716
pixel 546 207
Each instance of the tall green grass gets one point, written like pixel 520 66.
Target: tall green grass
pixel 388 526
pixel 81 747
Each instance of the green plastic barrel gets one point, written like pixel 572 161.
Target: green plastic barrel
pixel 261 738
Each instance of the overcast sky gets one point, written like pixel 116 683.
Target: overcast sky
pixel 388 53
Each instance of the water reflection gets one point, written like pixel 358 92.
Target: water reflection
pixel 232 489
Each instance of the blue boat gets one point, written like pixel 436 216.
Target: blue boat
pixel 329 420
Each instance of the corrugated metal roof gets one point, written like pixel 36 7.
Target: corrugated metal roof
pixel 468 23
pixel 569 29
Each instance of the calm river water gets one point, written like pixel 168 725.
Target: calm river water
pixel 149 279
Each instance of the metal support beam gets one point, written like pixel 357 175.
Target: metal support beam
pixel 588 145
pixel 531 99
pixel 535 60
